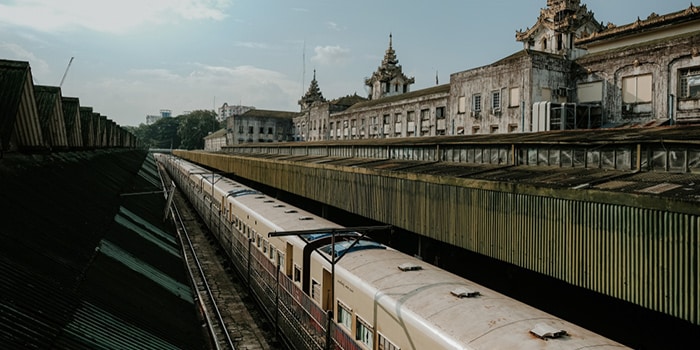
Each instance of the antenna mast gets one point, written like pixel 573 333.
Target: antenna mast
pixel 66 72
pixel 303 68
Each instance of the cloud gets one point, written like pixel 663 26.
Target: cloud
pixel 106 16
pixel 15 52
pixel 252 45
pixel 192 87
pixel 334 26
pixel 330 55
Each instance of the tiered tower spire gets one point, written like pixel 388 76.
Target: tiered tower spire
pixel 312 95
pixel 389 79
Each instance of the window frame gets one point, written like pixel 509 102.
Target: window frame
pixel 364 332
pixel 496 100
pixel 637 100
pixel 383 343
pixel 344 310
pixel 684 75
pixel 476 103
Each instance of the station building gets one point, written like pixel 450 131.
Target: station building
pixel 573 72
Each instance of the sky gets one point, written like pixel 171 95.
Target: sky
pixel 132 58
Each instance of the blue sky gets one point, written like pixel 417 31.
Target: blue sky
pixel 135 57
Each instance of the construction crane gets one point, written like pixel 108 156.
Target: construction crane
pixel 66 72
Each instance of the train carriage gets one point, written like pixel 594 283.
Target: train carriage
pixel 376 296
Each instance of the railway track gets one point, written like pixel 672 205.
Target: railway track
pixel 220 335
pixel 231 322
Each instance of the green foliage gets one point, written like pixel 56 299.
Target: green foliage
pixel 194 127
pixel 184 131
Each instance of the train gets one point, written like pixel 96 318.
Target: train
pixel 325 286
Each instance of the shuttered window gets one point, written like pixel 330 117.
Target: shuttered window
pixel 637 89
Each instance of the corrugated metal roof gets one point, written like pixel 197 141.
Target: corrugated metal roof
pixel 73 276
pixel 13 75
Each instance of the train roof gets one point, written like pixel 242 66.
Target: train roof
pixel 465 314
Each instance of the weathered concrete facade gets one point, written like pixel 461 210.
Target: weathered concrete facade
pixel 644 72
pixel 257 125
pixel 495 98
pixel 419 113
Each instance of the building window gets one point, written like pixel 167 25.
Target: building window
pixel 297 273
pixel 496 100
pixel 476 103
pixel 425 114
pixel 689 83
pixel 364 333
pixel 385 344
pixel 590 92
pixel 440 113
pixel 637 89
pixel 411 116
pixel 344 316
pixel 250 129
pixel 386 119
pixel 240 129
pixel 269 131
pixel 462 105
pixel 514 97
pixel 315 290
pixel 494 129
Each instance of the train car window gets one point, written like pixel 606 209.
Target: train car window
pixel 344 316
pixel 364 333
pixel 297 273
pixel 265 244
pixel 315 290
pixel 272 252
pixel 280 260
pixel 385 344
pixel 259 240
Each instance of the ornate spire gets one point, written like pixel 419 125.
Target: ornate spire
pixel 312 95
pixel 389 73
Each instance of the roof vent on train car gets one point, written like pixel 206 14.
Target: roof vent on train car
pixel 290 211
pixel 545 331
pixel 278 206
pixel 305 218
pixel 268 201
pixel 409 267
pixel 462 292
pixel 259 197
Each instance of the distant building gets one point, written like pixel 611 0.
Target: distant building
pixel 226 111
pixel 164 113
pixel 258 125
pixel 150 119
pixel 214 141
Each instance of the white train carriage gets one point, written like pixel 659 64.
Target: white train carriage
pixel 381 298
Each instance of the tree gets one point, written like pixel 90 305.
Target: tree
pixel 163 133
pixel 194 127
